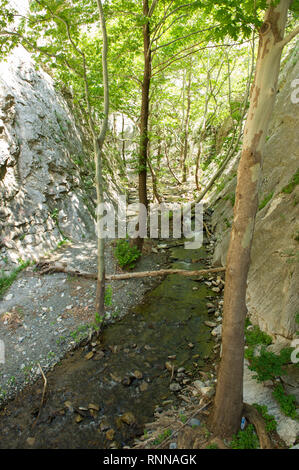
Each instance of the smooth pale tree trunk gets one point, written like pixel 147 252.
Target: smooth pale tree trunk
pixel 98 145
pixel 228 404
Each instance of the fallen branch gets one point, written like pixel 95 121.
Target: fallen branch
pixel 252 415
pixel 43 395
pixel 48 268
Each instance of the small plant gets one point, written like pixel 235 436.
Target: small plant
pixel 125 254
pixel 98 320
pixel 162 437
pixel 246 439
pixel 79 333
pixel 54 215
pixel 255 336
pixel 62 242
pixel 265 201
pixel 270 421
pixel 212 446
pixel 292 184
pixel 60 340
pixel 108 296
pixel 267 365
pixel 6 281
pixel 286 402
pixel 183 418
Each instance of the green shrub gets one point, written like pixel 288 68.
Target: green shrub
pixel 125 254
pixel 270 421
pixel 255 336
pixel 246 439
pixel 267 365
pixel 286 402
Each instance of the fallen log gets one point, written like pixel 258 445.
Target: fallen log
pixel 49 268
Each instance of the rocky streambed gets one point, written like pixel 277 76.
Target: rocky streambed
pixel 102 394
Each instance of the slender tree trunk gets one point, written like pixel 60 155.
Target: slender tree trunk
pixel 142 170
pixel 168 164
pixel 123 151
pixel 197 165
pixel 229 393
pixel 186 130
pixel 98 144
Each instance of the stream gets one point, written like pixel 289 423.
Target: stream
pixel 104 402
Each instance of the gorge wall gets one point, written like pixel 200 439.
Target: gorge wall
pixel 273 282
pixel 42 198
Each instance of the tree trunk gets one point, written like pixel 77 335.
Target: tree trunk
pixel 123 150
pixel 197 165
pixel 98 145
pixel 186 130
pixel 142 162
pixel 229 393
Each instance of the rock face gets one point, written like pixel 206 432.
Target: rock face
pixel 273 282
pixel 41 195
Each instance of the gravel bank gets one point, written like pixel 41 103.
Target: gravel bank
pixel 43 317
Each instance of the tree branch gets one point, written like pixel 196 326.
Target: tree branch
pixel 288 38
pixel 49 268
pixel 152 8
pixel 184 37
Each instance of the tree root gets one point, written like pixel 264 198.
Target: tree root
pixel 253 416
pixel 50 268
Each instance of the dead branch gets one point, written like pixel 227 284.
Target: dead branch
pixel 49 268
pixel 43 395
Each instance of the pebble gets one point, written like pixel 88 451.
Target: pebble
pixel 173 445
pixel 143 386
pixel 217 331
pixel 210 324
pixel 194 422
pixel 128 418
pixel 175 387
pixel 137 374
pixel 31 441
pixel 110 434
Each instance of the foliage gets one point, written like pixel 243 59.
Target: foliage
pixel 269 365
pixel 292 184
pixel 286 402
pixel 6 281
pixel 255 336
pixel 164 435
pixel 246 439
pixel 126 254
pixel 212 446
pixel 270 421
pixel 265 201
pixel 108 296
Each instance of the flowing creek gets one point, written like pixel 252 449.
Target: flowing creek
pixel 105 401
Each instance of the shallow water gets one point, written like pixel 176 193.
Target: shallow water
pixel 169 322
